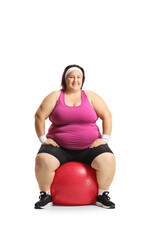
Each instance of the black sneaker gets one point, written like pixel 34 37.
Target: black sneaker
pixel 45 200
pixel 104 201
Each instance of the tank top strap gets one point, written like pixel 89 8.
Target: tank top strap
pixel 61 96
pixel 83 96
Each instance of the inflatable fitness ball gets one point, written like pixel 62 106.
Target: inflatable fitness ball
pixel 74 183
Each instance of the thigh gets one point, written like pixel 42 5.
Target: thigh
pixel 57 152
pixel 94 152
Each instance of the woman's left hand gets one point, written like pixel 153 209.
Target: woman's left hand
pixel 97 142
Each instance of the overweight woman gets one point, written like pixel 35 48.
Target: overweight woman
pixel 74 136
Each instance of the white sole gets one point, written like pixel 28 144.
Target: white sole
pixel 47 205
pixel 101 205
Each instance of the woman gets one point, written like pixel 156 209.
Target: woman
pixel 74 134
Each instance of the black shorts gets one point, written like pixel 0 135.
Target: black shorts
pixel 64 155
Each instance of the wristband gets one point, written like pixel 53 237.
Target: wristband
pixel 105 137
pixel 42 139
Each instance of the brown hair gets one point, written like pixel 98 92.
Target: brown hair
pixel 63 82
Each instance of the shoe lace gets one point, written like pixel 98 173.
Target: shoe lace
pixel 106 195
pixel 42 195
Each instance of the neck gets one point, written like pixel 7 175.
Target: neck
pixel 69 92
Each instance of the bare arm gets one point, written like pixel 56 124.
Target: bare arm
pixel 43 112
pixel 103 112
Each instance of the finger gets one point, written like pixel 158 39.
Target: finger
pixel 53 145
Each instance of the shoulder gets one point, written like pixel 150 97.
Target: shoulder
pixel 97 102
pixel 89 93
pixel 93 93
pixel 86 92
pixel 51 98
pixel 94 96
pixel 99 105
pixel 47 105
pixel 53 95
pixel 57 93
pixel 94 99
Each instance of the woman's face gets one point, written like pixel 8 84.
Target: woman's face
pixel 74 80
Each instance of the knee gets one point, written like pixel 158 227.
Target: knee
pixel 46 162
pixel 111 161
pixel 104 162
pixel 40 162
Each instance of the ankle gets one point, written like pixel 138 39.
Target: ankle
pixel 47 192
pixel 100 191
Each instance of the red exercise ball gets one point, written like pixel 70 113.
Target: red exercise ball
pixel 74 183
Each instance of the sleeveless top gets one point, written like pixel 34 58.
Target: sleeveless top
pixel 73 127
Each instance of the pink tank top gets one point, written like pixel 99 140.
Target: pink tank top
pixel 73 127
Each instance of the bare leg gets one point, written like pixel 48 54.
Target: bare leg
pixel 45 166
pixel 105 166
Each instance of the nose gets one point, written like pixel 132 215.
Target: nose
pixel 75 80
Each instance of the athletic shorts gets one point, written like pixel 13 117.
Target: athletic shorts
pixel 64 155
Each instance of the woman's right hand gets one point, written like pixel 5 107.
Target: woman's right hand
pixel 50 141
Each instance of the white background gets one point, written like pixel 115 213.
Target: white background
pixel 117 44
